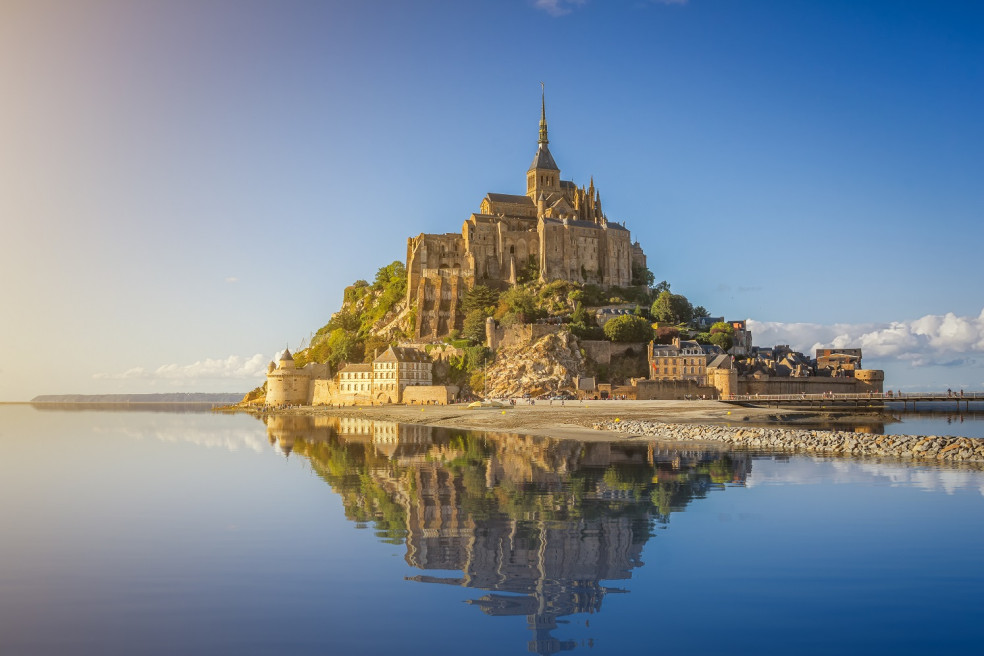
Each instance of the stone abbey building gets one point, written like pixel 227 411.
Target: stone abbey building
pixel 556 230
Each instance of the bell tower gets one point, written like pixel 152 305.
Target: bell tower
pixel 543 175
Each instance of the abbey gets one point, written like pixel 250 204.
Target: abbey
pixel 556 230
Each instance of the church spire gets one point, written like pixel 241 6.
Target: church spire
pixel 543 174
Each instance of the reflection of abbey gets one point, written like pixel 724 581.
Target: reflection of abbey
pixel 556 230
pixel 543 552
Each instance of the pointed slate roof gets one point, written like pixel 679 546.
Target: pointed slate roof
pixel 543 159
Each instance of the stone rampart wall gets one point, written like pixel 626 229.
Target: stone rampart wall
pixel 430 394
pixel 670 390
pixel 602 351
pixel 811 385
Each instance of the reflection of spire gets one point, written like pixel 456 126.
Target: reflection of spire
pixel 542 549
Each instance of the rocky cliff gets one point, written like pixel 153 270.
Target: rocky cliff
pixel 549 364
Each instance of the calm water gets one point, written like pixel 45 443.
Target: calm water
pixel 168 533
pixel 940 418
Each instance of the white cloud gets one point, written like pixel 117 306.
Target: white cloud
pixel 930 340
pixel 558 7
pixel 807 470
pixel 188 428
pixel 233 367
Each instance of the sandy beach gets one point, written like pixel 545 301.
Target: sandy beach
pixel 576 419
pixel 707 422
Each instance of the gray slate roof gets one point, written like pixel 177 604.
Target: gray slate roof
pixel 720 362
pixel 543 159
pixel 402 354
pixel 510 198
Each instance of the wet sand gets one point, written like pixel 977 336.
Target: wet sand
pixel 576 419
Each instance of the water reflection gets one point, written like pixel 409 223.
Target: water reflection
pixel 538 523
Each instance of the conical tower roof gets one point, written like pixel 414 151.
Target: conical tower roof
pixel 543 159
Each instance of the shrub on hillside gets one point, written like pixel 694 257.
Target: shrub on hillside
pixel 628 328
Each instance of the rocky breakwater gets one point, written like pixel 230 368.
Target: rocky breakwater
pixel 911 447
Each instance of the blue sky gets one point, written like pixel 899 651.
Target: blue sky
pixel 186 187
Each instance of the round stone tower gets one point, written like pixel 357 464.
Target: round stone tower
pixel 870 380
pixel 286 384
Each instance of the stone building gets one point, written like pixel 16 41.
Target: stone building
pixel 384 380
pixel 681 360
pixel 838 360
pixel 556 230
pixel 743 338
pixel 286 384
pixel 398 368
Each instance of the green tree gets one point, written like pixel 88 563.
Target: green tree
pixel 660 287
pixel 389 273
pixel 355 291
pixel 583 325
pixel 723 340
pixel 723 335
pixel 517 305
pixel 529 272
pixel 344 347
pixel 722 327
pixel 480 297
pixel 641 276
pixel 701 312
pixel 473 327
pixel 628 328
pixel 672 308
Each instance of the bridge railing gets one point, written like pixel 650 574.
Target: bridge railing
pixel 885 396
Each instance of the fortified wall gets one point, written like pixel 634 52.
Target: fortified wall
pixel 288 385
pixel 865 381
pixel 602 352
pixel 430 395
pixel 672 390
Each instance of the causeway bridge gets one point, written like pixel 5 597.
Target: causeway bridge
pixel 960 400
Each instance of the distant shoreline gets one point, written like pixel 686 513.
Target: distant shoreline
pixel 156 398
